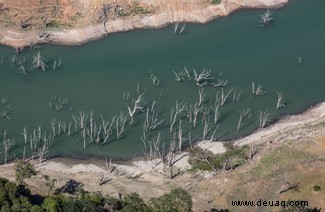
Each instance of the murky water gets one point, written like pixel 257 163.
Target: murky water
pixel 95 76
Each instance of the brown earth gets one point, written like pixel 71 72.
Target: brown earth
pixel 297 155
pixel 73 22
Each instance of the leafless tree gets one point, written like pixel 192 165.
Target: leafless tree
pixel 151 121
pixel 205 158
pixel 243 115
pixel 280 102
pixel 7 144
pixel 182 29
pixel 58 103
pixel 258 91
pixel 174 113
pixel 154 79
pixel 80 120
pixel 180 136
pixel 254 149
pixel 45 37
pixel 137 106
pixel 236 96
pixel 110 166
pixel 103 15
pixel 120 124
pixel 287 186
pixel 201 96
pixel 219 83
pixel 107 129
pixel 202 78
pixel 39 62
pixel 216 111
pixel 196 111
pixel 175 28
pixel 183 75
pixel 266 18
pixel 206 124
pixel 263 117
pixel 222 96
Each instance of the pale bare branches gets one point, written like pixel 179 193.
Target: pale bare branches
pixel 107 129
pixel 154 79
pixel 266 18
pixel 137 106
pixel 263 117
pixel 243 115
pixel 120 125
pixel 220 83
pixel 58 103
pixel 45 37
pixel 286 186
pixel 183 75
pixel 7 144
pixel 280 102
pixel 201 96
pixel 179 32
pixel 174 113
pixel 152 121
pixel 222 97
pixel 38 62
pixel 110 166
pixel 258 91
pixel 202 78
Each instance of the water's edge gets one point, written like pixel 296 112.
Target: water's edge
pixel 20 39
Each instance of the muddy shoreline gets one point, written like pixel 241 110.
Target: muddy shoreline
pixel 20 39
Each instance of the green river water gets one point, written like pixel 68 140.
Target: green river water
pixel 95 76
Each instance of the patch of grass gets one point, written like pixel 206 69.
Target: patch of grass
pixel 206 161
pixel 135 10
pixel 317 187
pixel 216 1
pixel 277 158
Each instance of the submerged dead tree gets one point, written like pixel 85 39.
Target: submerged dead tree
pixel 120 124
pixel 202 78
pixel 38 62
pixel 280 102
pixel 183 75
pixel 175 112
pixel 137 106
pixel 154 79
pixel 258 90
pixel 266 18
pixel 7 145
pixel 263 117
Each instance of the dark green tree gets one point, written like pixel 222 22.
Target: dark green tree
pixel 134 203
pixel 24 170
pixel 177 200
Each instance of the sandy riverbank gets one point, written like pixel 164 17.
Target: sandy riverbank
pixel 75 36
pixel 149 179
pixel 288 127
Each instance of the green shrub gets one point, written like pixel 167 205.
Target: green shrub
pixel 317 187
pixel 177 200
pixel 216 1
pixel 24 170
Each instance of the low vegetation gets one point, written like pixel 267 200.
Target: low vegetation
pixel 19 198
pixel 206 161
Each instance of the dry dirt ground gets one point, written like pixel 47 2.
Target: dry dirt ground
pixel 79 13
pixel 298 157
